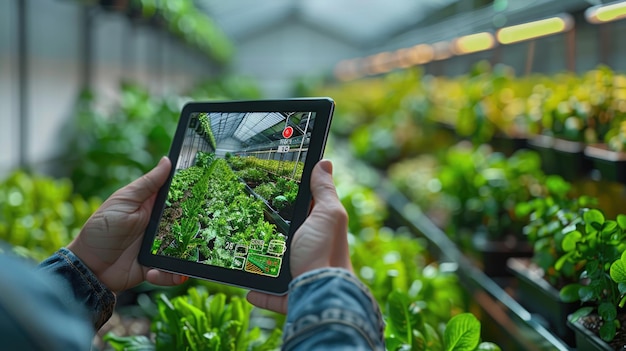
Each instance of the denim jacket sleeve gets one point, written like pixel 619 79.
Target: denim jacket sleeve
pixel 37 309
pixel 330 309
pixel 81 285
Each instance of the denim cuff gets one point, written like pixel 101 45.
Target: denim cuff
pixel 334 302
pixel 81 284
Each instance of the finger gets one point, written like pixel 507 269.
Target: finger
pixel 158 277
pixel 150 183
pixel 269 302
pixel 322 186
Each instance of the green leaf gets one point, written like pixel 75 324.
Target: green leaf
pixel 607 311
pixel 622 288
pixel 607 331
pixel 129 343
pixel 394 343
pixel 273 342
pixel 562 260
pixel 419 341
pixel 400 317
pixel 217 309
pixel 581 312
pixel 462 333
pixel 585 293
pixel 433 340
pixel 608 228
pixel 621 221
pixel 618 269
pixel 569 293
pixel 570 240
pixel 593 218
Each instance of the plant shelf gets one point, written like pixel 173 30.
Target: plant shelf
pixel 505 321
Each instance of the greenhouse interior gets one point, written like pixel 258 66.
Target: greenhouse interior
pixel 478 148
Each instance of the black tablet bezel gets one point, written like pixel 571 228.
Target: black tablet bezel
pixel 323 108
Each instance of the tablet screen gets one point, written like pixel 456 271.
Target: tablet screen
pixel 231 198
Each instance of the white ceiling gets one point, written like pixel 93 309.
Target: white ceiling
pixel 360 22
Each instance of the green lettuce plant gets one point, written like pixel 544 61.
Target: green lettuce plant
pixel 407 329
pixel 549 218
pixel 482 187
pixel 197 321
pixel 39 214
pixel 597 243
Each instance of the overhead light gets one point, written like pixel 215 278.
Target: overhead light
pixel 536 29
pixel 347 70
pixel 381 63
pixel 415 55
pixel 473 43
pixel 442 50
pixel 606 13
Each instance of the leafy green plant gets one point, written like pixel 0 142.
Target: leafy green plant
pixel 280 202
pixel 39 214
pixel 616 137
pixel 205 126
pixel 253 175
pixel 407 329
pixel 204 159
pixel 549 217
pixel 482 188
pixel 403 266
pixel 597 243
pixel 288 188
pixel 183 19
pixel 618 274
pixel 266 190
pixel 196 321
pixel 107 150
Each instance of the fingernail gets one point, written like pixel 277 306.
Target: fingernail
pixel 327 166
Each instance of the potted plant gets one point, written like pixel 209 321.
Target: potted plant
pixel 609 158
pixel 199 321
pixel 596 243
pixel 483 188
pixel 538 280
pixel 407 329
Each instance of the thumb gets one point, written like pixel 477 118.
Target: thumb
pixel 322 186
pixel 148 184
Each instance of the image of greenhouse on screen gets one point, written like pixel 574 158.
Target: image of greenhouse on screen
pixel 232 197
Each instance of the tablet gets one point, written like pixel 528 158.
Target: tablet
pixel 238 190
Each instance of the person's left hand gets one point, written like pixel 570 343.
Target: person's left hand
pixel 109 242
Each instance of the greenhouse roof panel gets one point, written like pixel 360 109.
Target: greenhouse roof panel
pixel 255 123
pixel 224 124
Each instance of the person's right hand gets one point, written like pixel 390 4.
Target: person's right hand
pixel 321 241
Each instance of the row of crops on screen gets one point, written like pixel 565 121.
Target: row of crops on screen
pixel 210 218
pixel 271 180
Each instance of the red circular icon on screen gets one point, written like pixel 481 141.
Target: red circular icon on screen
pixel 287 132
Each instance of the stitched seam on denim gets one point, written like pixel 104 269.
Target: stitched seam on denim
pixel 97 290
pixel 330 272
pixel 309 329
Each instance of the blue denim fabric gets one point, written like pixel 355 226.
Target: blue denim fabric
pixel 330 309
pixel 81 285
pixel 36 312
